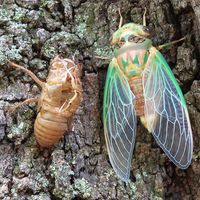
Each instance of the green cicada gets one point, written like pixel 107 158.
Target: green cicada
pixel 140 83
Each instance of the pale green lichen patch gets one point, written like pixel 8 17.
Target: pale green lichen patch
pixel 5 15
pixel 196 156
pixel 138 189
pixel 28 174
pixel 17 29
pixel 50 15
pixel 38 64
pixel 7 50
pixel 59 43
pixel 34 182
pixel 81 27
pixel 14 91
pixel 41 196
pixel 19 132
pixel 61 173
pixel 105 51
pixel 154 197
pixel 20 14
pixel 85 25
pixel 12 53
pixel 24 165
pixel 20 126
pixel 82 188
pixel 49 51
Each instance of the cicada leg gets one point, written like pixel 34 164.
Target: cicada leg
pixel 64 107
pixel 67 104
pixel 30 73
pixel 169 43
pixel 27 101
pixel 144 17
pixel 121 18
pixel 102 57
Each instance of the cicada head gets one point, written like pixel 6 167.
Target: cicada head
pixel 130 33
pixel 62 70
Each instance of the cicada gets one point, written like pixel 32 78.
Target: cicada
pixel 140 83
pixel 60 97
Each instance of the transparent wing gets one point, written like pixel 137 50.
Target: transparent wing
pixel 119 121
pixel 166 111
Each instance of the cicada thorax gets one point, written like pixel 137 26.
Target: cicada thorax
pixel 59 100
pixel 132 58
pixel 132 62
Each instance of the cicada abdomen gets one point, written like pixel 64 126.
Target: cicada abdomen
pixel 136 87
pixel 60 97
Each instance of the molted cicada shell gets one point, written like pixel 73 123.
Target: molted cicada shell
pixel 60 97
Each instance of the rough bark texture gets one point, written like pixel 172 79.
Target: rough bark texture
pixel 32 33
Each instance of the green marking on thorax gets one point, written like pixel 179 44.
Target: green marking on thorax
pixel 124 63
pixel 145 57
pixel 136 61
pixel 132 71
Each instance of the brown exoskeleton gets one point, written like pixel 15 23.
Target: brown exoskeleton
pixel 60 97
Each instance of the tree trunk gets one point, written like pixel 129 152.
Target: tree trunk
pixel 31 34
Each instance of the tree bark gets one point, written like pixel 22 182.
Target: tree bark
pixel 31 34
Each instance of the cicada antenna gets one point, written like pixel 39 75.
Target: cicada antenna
pixel 121 18
pixel 144 17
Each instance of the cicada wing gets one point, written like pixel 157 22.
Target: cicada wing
pixel 166 112
pixel 119 121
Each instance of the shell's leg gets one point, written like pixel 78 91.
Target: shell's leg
pixel 66 104
pixel 27 101
pixel 30 73
pixel 169 43
pixel 77 91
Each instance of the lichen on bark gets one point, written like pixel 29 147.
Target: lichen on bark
pixel 31 34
